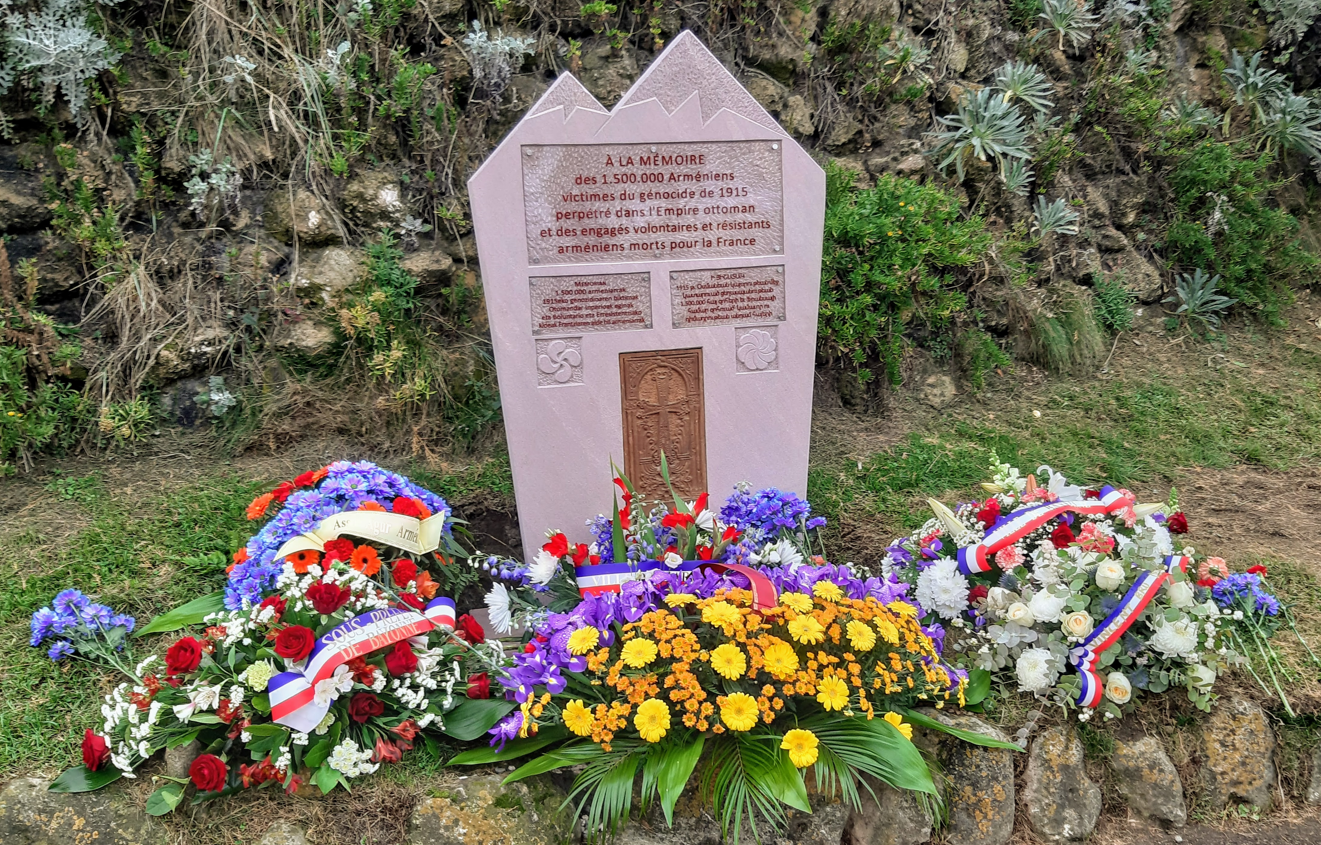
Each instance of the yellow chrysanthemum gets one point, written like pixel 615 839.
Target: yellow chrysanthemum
pixel 584 640
pixel 888 630
pixel 652 720
pixel 638 653
pixel 898 721
pixel 805 629
pixel 796 601
pixel 801 746
pixel 780 660
pixel 578 717
pixel 861 636
pixel 832 693
pixel 827 590
pixel 903 608
pixel 738 711
pixel 729 661
pixel 720 613
pixel 676 599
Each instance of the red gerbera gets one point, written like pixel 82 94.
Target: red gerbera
pixel 366 560
pixel 257 509
pixel 300 561
pixel 283 491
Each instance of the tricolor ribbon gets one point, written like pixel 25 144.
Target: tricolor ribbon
pixel 1022 522
pixel 293 694
pixel 609 577
pixel 1086 655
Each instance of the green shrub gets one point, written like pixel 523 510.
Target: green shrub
pixel 980 354
pixel 1114 305
pixel 888 269
pixel 1064 335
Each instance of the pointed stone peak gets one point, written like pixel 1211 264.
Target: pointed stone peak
pixel 685 68
pixel 566 93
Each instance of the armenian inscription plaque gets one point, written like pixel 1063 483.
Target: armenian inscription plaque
pixel 726 296
pixel 617 302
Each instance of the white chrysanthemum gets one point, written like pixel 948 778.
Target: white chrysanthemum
pixel 1175 639
pixel 1035 670
pixel 943 589
pixel 782 553
pixel 497 605
pixel 351 761
pixel 542 568
pixel 1046 606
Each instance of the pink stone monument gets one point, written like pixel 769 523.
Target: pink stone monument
pixel 652 275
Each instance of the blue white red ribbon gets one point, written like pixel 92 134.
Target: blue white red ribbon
pixel 293 694
pixel 595 579
pixel 1022 522
pixel 1086 655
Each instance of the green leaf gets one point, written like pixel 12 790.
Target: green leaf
pixel 262 703
pixel 874 747
pixel 675 769
pixel 513 749
pixel 979 685
pixel 182 739
pixel 164 800
pixel 326 778
pixel 967 736
pixel 205 718
pixel 566 755
pixel 192 613
pixel 317 754
pixel 83 779
pixel 784 781
pixel 267 729
pixel 475 716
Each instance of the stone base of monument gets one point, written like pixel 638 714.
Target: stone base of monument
pixel 1057 798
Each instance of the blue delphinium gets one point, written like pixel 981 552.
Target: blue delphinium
pixel 761 515
pixel 74 624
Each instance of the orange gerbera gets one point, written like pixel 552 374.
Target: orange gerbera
pixel 302 560
pixel 426 588
pixel 365 560
pixel 257 509
pixel 369 505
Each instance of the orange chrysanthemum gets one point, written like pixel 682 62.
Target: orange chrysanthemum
pixel 257 509
pixel 302 560
pixel 365 560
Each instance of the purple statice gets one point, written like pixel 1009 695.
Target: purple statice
pixel 346 487
pixel 1244 590
pixel 76 623
pixel 762 515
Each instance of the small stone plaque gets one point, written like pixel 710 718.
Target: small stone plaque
pixel 559 361
pixel 606 303
pixel 664 411
pixel 727 296
pixel 757 349
pixel 586 203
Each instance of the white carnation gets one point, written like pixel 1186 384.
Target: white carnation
pixel 1035 670
pixel 543 567
pixel 1175 639
pixel 943 589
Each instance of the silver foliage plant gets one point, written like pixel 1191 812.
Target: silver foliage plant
pixel 494 60
pixel 985 127
pixel 1287 121
pixel 1026 83
pixel 1069 19
pixel 1054 218
pixel 57 48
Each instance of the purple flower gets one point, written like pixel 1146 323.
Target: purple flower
pixel 763 514
pixel 506 729
pixel 42 623
pixel 70 601
pixel 60 650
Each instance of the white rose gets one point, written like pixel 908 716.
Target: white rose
pixel 672 560
pixel 1078 624
pixel 1019 614
pixel 1047 607
pixel 1109 574
pixel 998 599
pixel 1117 688
pixel 1201 678
pixel 1034 670
pixel 1180 593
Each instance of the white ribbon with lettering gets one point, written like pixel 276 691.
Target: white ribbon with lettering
pixel 409 533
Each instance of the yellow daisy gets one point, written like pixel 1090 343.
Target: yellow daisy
pixel 827 590
pixel 801 746
pixel 805 629
pixel 738 711
pixel 780 660
pixel 652 720
pixel 861 636
pixel 578 717
pixel 887 629
pixel 720 613
pixel 903 608
pixel 676 599
pixel 898 721
pixel 796 601
pixel 729 661
pixel 584 640
pixel 638 653
pixel 832 693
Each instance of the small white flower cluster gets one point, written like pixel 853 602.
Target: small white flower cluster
pixel 351 761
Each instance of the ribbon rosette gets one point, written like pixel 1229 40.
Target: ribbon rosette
pixel 594 579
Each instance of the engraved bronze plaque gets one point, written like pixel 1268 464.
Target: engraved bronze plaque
pixel 726 296
pixel 587 203
pixel 613 302
pixel 664 411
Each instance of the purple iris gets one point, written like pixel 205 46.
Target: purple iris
pixel 506 729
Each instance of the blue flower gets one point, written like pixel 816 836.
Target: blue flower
pixel 506 729
pixel 123 620
pixel 42 623
pixel 60 650
pixel 97 616
pixel 69 601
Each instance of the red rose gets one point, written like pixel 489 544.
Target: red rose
pixel 276 602
pixel 404 572
pixel 558 546
pixel 327 598
pixel 282 491
pixel 1177 523
pixel 413 601
pixel 401 660
pixel 295 642
pixel 989 513
pixel 96 751
pixel 1062 536
pixel 479 686
pixel 208 773
pixel 977 593
pixel 580 553
pixel 471 630
pixel 340 549
pixel 364 705
pixel 183 656
pixel 1257 570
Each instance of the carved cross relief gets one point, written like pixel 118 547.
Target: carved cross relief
pixel 664 410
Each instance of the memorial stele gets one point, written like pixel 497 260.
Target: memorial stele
pixel 652 275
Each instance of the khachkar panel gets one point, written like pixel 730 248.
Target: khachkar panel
pixel 604 303
pixel 726 296
pixel 663 409
pixel 586 203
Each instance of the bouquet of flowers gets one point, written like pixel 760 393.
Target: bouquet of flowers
pixel 333 657
pixel 1079 595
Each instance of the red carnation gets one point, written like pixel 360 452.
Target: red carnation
pixel 1257 570
pixel 401 660
pixel 339 549
pixel 404 572
pixel 365 705
pixel 208 773
pixel 977 593
pixel 413 601
pixel 1062 536
pixel 558 546
pixel 183 656
pixel 295 642
pixel 96 751
pixel 327 598
pixel 307 479
pixel 471 630
pixel 580 553
pixel 276 602
pixel 479 686
pixel 406 507
pixel 282 491
pixel 1177 523
pixel 989 513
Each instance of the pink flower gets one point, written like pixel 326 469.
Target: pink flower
pixel 1092 540
pixel 1009 557
pixel 1040 494
pixel 1212 569
pixel 1127 513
